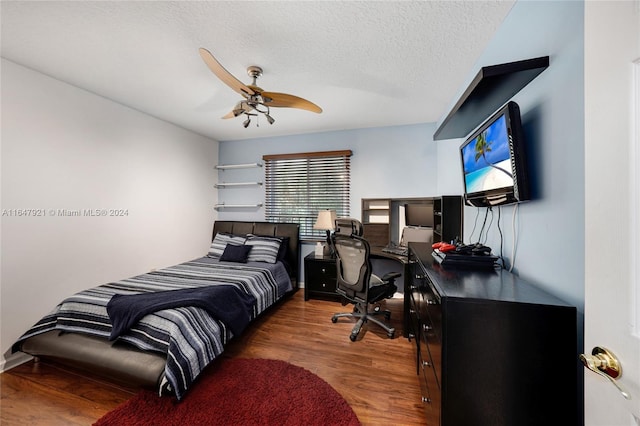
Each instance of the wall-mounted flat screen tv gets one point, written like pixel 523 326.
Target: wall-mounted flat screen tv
pixel 494 162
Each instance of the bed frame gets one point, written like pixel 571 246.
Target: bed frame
pixel 123 363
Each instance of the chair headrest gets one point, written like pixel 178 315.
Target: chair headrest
pixel 349 226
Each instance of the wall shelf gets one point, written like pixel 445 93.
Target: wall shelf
pixel 237 166
pixel 491 88
pixel 237 206
pixel 230 184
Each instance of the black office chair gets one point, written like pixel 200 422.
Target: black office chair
pixel 355 281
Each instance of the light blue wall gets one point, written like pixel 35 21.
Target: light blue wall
pixel 404 161
pixel 550 228
pixel 396 161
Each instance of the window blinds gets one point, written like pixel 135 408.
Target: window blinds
pixel 297 186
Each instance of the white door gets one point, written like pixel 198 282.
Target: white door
pixel 612 206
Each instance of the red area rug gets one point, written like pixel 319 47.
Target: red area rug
pixel 241 392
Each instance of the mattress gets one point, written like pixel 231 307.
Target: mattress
pixel 188 337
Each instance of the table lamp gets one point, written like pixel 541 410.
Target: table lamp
pixel 325 221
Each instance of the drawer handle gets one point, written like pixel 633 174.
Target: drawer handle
pixel 426 364
pixel 324 285
pixel 419 277
pixel 432 302
pixel 426 400
pixel 426 327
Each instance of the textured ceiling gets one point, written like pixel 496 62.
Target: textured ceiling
pixel 366 63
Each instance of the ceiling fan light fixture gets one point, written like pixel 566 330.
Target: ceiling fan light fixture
pixel 238 109
pixel 270 119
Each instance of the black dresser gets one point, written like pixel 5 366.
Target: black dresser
pixel 491 349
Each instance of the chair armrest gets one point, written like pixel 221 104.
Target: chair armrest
pixel 390 276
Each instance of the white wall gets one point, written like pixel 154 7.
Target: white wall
pixel 65 148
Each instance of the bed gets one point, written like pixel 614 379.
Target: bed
pixel 161 329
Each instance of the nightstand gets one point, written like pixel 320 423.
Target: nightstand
pixel 320 277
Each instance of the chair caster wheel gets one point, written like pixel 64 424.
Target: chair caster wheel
pixel 334 320
pixel 353 337
pixel 387 315
pixel 391 335
pixel 376 309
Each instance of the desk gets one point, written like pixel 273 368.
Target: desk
pixel 377 253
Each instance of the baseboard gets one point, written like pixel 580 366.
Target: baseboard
pixel 14 360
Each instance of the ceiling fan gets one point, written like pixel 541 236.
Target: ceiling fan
pixel 255 100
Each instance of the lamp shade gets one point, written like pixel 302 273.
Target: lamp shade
pixel 325 220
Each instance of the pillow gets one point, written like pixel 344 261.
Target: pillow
pixel 284 246
pixel 221 240
pixel 265 249
pixel 284 249
pixel 235 253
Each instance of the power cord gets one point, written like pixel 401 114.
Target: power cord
pixel 484 224
pixel 501 236
pixel 513 230
pixel 475 223
pixel 486 233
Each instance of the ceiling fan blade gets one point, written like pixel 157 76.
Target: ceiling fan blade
pixel 224 75
pixel 283 100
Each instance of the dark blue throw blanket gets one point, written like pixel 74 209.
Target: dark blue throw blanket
pixel 228 304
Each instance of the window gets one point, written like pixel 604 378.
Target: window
pixel 297 186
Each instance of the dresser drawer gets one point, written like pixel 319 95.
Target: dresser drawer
pixel 322 281
pixel 430 391
pixel 415 309
pixel 432 308
pixel 430 349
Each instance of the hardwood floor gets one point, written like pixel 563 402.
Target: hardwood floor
pixel 376 375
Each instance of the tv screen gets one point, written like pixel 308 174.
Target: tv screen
pixel 493 161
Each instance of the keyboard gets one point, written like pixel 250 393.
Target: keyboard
pixel 400 251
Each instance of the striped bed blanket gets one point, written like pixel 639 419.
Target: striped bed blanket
pixel 189 336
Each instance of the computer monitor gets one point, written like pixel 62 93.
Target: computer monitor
pixel 418 215
pixel 412 234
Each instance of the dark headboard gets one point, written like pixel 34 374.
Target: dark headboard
pixel 291 230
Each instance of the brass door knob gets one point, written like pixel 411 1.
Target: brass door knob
pixel 603 362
